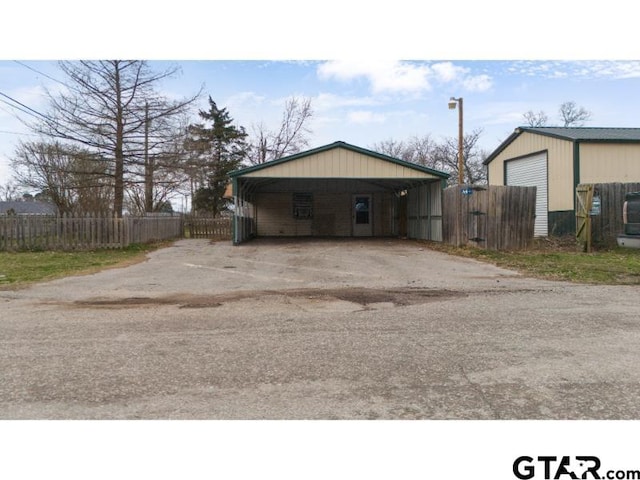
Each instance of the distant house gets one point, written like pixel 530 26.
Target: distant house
pixel 557 159
pixel 27 208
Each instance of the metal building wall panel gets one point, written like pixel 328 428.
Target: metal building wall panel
pixel 275 216
pixel 339 163
pixel 418 212
pixel 609 163
pixel 435 207
pixel 332 214
pixel 560 166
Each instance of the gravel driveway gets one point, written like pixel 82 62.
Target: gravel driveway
pixel 317 329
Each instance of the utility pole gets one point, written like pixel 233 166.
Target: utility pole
pixel 453 102
pixel 148 164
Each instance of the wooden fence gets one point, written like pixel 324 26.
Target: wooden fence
pixel 606 226
pixel 84 232
pixel 208 227
pixel 492 217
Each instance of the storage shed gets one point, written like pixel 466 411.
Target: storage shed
pixel 337 190
pixel 557 159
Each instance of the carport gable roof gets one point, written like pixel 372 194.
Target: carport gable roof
pixel 574 134
pixel 407 169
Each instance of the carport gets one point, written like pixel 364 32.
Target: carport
pixel 337 190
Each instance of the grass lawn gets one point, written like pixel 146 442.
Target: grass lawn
pixel 562 261
pixel 21 268
pixel 547 259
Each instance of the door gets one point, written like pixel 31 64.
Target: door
pixel 531 171
pixel 361 214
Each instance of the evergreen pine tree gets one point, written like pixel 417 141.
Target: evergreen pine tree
pixel 219 147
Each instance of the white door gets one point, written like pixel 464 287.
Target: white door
pixel 362 216
pixel 532 172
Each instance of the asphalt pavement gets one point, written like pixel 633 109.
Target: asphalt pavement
pixel 317 329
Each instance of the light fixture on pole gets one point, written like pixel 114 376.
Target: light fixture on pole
pixel 453 102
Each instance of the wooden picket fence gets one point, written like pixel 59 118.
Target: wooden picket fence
pixel 492 217
pixel 218 228
pixel 84 232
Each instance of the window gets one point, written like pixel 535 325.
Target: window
pixel 302 205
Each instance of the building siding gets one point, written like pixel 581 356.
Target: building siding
pixel 609 163
pixel 274 216
pixel 339 163
pixel 560 166
pixel 424 212
pixel 332 214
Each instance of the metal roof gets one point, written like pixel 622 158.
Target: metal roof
pixel 588 133
pixel 346 146
pixel 574 134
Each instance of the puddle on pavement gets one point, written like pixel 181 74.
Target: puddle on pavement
pixel 364 297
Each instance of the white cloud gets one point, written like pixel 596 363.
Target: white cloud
pixel 448 72
pixel 617 70
pixel 403 77
pixel 383 76
pixel 577 69
pixel 478 83
pixel 365 116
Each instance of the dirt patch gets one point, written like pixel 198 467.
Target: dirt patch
pixel 360 296
pixel 397 296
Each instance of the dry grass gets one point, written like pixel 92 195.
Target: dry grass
pixel 18 269
pixel 561 259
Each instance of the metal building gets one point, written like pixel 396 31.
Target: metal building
pixel 338 190
pixel 557 159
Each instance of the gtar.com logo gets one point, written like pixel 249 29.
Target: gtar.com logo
pixel 578 467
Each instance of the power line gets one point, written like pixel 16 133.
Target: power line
pixel 41 73
pixel 17 108
pixel 22 105
pixel 17 133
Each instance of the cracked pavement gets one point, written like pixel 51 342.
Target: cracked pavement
pixel 317 329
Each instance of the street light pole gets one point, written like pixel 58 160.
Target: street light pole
pixel 453 102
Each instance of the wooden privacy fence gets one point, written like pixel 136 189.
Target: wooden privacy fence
pixel 84 232
pixel 492 217
pixel 208 227
pixel 607 224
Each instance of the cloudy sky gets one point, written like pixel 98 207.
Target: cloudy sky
pixel 367 93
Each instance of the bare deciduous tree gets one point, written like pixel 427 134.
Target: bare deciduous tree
pixel 70 177
pixel 539 119
pixel 390 147
pixel 573 115
pixel 107 109
pixel 291 137
pixel 169 180
pixel 165 170
pixel 9 192
pixel 440 156
pixel 570 114
pixel 418 150
pixel 446 157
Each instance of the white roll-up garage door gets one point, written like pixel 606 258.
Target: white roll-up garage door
pixel 532 172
